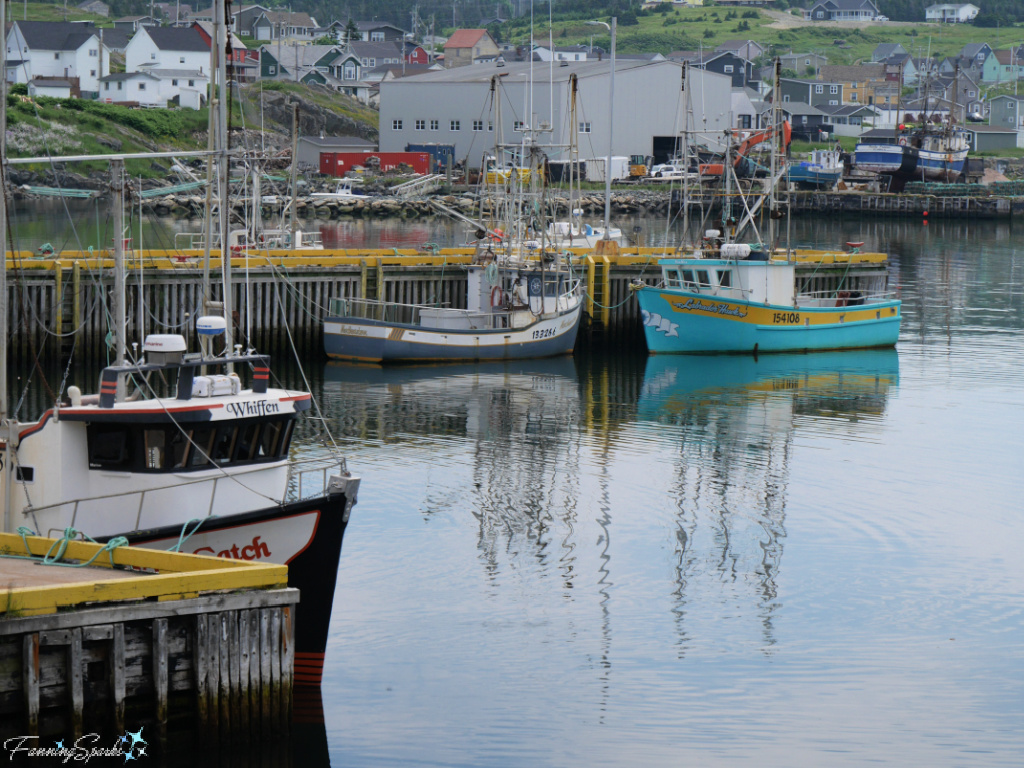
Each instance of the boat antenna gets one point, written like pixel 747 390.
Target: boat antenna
pixel 684 87
pixel 221 44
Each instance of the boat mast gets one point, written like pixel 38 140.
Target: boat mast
pixel 220 43
pixel 6 433
pixel 686 153
pixel 120 317
pixel 294 225
pixel 774 127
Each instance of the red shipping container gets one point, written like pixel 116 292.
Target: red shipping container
pixel 337 164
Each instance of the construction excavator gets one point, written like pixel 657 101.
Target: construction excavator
pixel 743 165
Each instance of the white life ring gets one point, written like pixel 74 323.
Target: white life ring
pixel 903 141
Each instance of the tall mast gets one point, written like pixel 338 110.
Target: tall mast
pixel 6 433
pixel 221 44
pixel 119 311
pixel 774 128
pixel 294 225
pixel 686 153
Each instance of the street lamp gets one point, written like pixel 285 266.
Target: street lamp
pixel 611 121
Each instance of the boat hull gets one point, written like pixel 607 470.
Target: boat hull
pixel 814 177
pixel 940 166
pixel 890 159
pixel 349 338
pixel 688 323
pixel 304 535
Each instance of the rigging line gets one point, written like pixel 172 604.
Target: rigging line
pixel 295 354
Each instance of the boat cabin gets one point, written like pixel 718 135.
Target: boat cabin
pixel 758 281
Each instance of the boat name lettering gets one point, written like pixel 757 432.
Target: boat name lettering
pixel 544 333
pixel 712 307
pixel 255 551
pixel 254 408
pixel 786 317
pixel 347 330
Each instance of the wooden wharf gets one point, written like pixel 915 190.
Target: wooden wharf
pixel 139 637
pixel 58 300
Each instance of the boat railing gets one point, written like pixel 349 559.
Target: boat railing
pixel 436 316
pixel 844 298
pixel 310 477
pixel 302 483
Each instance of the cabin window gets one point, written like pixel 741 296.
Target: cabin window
pixel 725 278
pixel 702 277
pixel 109 448
pixel 170 448
pixel 672 277
pixel 688 279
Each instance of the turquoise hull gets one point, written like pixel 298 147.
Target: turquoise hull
pixel 672 325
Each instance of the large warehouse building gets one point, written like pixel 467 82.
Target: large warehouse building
pixel 455 107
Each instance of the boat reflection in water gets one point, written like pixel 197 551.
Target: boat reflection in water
pixel 733 420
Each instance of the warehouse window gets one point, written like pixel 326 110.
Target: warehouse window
pixel 434 125
pixel 456 125
pixel 478 125
pixel 584 127
pixel 421 125
pixel 396 125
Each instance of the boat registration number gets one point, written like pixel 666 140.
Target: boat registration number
pixel 544 333
pixel 785 317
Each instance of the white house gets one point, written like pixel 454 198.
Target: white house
pixel 140 87
pixel 560 53
pixel 180 48
pixel 55 89
pixel 57 50
pixel 953 13
pixel 175 82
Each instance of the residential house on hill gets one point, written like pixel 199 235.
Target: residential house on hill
pixel 842 10
pixel 174 13
pixel 560 53
pixel 244 64
pixel 115 40
pixel 808 122
pixel 57 50
pixel 467 46
pixel 133 23
pixel 862 83
pixel 272 25
pixel 140 88
pixel 974 54
pixel 742 71
pixel 95 6
pixel 802 62
pixel 817 93
pixel 1007 111
pixel 953 13
pixel 167 48
pixel 1003 66
pixel 379 32
pixel 745 49
pixel 885 51
pixel 373 55
pixel 851 119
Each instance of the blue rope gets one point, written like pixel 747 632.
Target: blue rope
pixel 182 537
pixel 61 546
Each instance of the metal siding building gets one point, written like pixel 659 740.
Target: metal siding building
pixel 454 106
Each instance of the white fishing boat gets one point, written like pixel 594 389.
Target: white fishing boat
pixel 522 299
pixel 822 169
pixel 343 191
pixel 189 451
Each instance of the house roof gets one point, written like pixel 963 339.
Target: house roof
pixel 885 50
pixel 308 55
pixel 971 50
pixel 369 26
pixel 113 78
pixel 853 73
pixel 114 38
pixel 735 45
pixel 362 49
pixel 193 74
pixel 295 19
pixel 845 110
pixel 176 38
pixel 465 38
pixel 337 141
pixel 1007 57
pixel 207 27
pixel 50 82
pixel 983 128
pixel 54 35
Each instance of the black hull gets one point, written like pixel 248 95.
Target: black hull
pixel 312 570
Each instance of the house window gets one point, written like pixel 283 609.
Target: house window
pixel 396 125
pixel 728 69
pixel 490 126
pixel 456 125
pixel 57 56
pixel 478 125
pixel 106 86
pixel 376 37
pixel 191 83
pixel 785 97
pixel 421 125
pixel 819 89
pixel 92 73
pixel 434 125
pixel 181 59
pixel 94 53
pixel 174 82
pixel 834 89
pixel 831 103
pixel 970 94
pixel 584 127
pixel 745 122
pixel 152 56
pixel 142 86
pixel 350 71
pixel 119 85
pixel 271 70
pixel 853 97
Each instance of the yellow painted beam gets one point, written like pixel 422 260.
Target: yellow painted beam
pixel 164 575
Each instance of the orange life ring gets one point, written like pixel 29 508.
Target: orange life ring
pixel 903 141
pixel 497 296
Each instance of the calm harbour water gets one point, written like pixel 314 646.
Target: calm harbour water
pixel 619 560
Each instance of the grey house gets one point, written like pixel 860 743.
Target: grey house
pixel 842 10
pixel 818 93
pixel 1007 112
pixel 989 138
pixel 740 70
pixel 453 107
pixel 885 51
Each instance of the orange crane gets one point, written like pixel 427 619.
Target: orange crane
pixel 740 155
